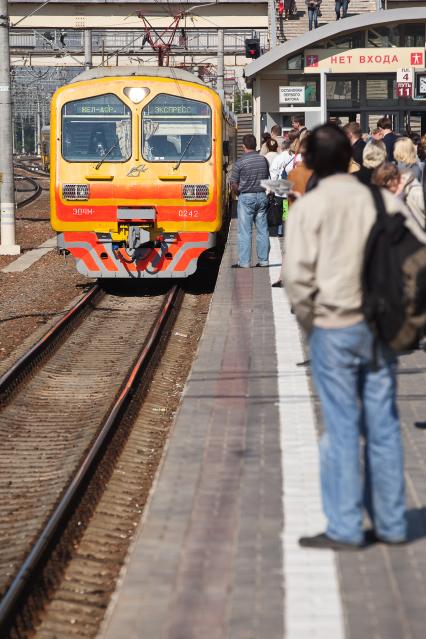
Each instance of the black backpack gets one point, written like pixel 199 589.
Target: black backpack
pixel 394 280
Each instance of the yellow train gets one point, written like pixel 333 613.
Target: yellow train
pixel 138 170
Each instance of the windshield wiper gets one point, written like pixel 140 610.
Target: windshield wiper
pixel 110 150
pixel 183 153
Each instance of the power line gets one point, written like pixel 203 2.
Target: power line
pixel 31 13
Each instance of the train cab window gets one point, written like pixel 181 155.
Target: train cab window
pixel 96 128
pixel 175 128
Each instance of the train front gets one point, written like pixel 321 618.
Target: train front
pixel 136 175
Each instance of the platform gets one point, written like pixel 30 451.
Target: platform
pixel 216 555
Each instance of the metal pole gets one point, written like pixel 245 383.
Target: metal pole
pixel 88 48
pixel 38 129
pixel 220 65
pixel 22 136
pixel 323 95
pixel 8 244
pixel 272 24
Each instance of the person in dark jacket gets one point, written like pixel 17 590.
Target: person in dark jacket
pixel 313 8
pixel 388 136
pixel 354 134
pixel 373 156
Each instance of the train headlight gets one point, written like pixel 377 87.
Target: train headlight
pixel 75 191
pixel 195 192
pixel 136 94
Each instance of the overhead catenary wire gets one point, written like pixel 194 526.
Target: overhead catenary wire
pixel 28 15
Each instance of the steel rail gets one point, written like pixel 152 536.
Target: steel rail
pixel 31 168
pixel 36 192
pixel 21 365
pixel 39 553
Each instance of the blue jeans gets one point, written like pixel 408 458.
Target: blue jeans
pixel 358 399
pixel 251 209
pixel 341 4
pixel 313 18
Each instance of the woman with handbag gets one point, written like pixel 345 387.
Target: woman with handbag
pixel 313 11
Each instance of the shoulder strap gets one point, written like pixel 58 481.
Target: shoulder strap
pixel 283 168
pixel 267 166
pixel 378 202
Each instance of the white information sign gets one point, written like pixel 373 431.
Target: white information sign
pixel 292 95
pixel 404 75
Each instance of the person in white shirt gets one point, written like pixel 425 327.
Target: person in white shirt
pixel 275 135
pixel 272 153
pixel 285 159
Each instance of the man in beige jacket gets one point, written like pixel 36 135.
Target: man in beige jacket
pixel 324 246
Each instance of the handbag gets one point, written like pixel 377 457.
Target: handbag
pixel 283 174
pixel 275 210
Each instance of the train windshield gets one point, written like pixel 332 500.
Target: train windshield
pixel 96 127
pixel 175 128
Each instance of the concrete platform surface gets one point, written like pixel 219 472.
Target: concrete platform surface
pixel 30 257
pixel 216 555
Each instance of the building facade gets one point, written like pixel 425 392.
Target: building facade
pixel 359 69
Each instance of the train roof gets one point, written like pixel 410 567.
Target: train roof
pixel 152 72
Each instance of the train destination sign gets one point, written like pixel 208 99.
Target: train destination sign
pixel 363 60
pixel 185 109
pixel 101 105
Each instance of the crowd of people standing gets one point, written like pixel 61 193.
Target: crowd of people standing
pixel 393 162
pixel 335 174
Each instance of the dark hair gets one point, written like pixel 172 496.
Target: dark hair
pixel 354 128
pixel 271 144
pixel 266 136
pixel 276 129
pixel 385 123
pixel 293 135
pixel 384 174
pixel 328 151
pixel 249 141
pixel 300 119
pixel 303 146
pixel 421 149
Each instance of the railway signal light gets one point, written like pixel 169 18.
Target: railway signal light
pixel 252 48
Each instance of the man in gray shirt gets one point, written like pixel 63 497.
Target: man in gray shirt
pixel 252 204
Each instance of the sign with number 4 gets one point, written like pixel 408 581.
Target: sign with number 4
pixel 404 75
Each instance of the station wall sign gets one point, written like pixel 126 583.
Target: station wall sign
pixel 404 75
pixel 291 95
pixel 364 60
pixel 404 89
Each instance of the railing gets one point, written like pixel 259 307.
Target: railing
pixel 190 40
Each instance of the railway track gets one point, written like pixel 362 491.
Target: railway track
pixel 35 191
pixel 32 167
pixel 62 406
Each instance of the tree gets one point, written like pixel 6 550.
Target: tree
pixel 241 103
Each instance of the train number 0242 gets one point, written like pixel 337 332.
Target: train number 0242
pixel 188 213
